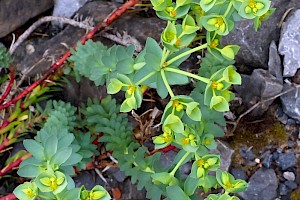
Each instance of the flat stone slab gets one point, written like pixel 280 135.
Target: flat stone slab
pixel 14 13
pixel 289 45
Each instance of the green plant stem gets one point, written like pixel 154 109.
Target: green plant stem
pixel 179 163
pixel 163 76
pixel 145 78
pixel 228 9
pixel 179 71
pixel 186 53
pixel 165 55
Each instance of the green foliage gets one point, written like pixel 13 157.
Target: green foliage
pixel 5 58
pixel 189 122
pixel 55 151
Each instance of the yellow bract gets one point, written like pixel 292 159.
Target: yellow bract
pixel 178 106
pixel 253 6
pixel 29 192
pixel 214 43
pixel 130 90
pixel 52 182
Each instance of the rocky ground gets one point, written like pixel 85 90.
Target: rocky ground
pixel 262 148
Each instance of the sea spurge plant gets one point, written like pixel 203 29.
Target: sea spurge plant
pixel 189 122
pixel 204 164
pixel 229 183
pixel 26 191
pixel 96 193
pixel 55 152
pixel 50 181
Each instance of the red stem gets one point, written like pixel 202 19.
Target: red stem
pixel 13 164
pixel 8 197
pixel 10 84
pixel 4 143
pixel 59 63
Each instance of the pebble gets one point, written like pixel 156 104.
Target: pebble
pixel 263 185
pixel 247 154
pixel 239 173
pixel 290 176
pixel 283 189
pixel 291 184
pixel 267 160
pixel 286 160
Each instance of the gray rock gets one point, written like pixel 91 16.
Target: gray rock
pixel 291 102
pixel 289 45
pixel 130 191
pixel 50 50
pixel 287 160
pixel 267 160
pixel 274 63
pixel 88 179
pixel 290 176
pixel 239 173
pixel 117 174
pixel 225 152
pixel 259 86
pixel 283 189
pixel 280 115
pixel 14 13
pixel 66 8
pixel 247 154
pixel 291 184
pixel 254 45
pixel 262 186
pixel 166 159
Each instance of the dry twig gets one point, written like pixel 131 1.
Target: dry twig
pixel 36 24
pixel 296 87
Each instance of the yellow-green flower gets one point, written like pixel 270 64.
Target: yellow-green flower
pixel 204 164
pixel 54 182
pixel 215 23
pixel 250 9
pixel 164 139
pixel 26 191
pixel 97 193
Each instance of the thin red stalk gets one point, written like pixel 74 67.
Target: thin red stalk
pixel 4 143
pixel 9 86
pixel 168 148
pixel 13 164
pixel 59 63
pixel 8 197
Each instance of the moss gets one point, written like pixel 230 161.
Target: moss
pixel 295 195
pixel 258 136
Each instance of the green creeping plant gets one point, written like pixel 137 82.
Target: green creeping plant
pixel 189 122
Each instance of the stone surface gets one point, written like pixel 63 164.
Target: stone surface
pixel 48 51
pixel 67 8
pixel 14 13
pixel 225 152
pixel 259 86
pixel 254 45
pixel 262 186
pixel 130 191
pixel 267 160
pixel 283 189
pixel 247 154
pixel 291 184
pixel 289 45
pixel 274 63
pixel 88 179
pixel 287 160
pixel 239 173
pixel 291 102
pixel 290 176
